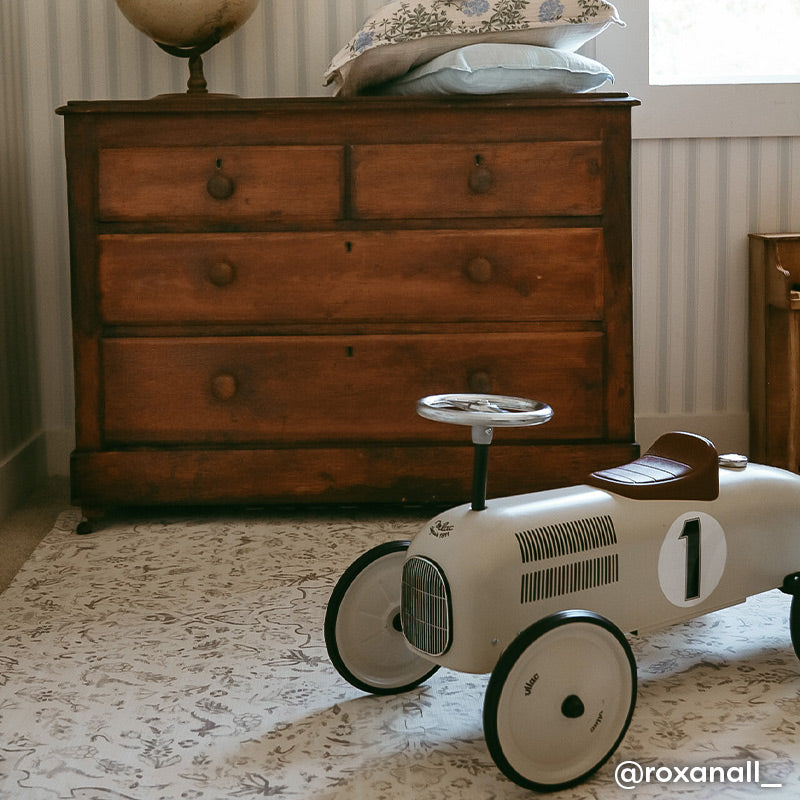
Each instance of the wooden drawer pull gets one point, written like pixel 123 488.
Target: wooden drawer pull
pixel 480 177
pixel 479 270
pixel 220 186
pixel 224 386
pixel 222 274
pixel 480 382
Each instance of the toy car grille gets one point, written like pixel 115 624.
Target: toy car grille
pixel 425 607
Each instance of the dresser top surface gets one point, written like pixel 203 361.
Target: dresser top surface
pixel 226 104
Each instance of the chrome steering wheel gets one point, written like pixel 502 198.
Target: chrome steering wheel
pixel 483 413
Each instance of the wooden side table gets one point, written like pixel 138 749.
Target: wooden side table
pixel 775 349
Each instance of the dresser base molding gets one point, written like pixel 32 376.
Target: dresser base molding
pixel 390 475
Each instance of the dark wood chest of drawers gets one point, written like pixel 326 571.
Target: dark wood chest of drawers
pixel 263 288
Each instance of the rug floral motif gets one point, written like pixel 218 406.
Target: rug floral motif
pixel 183 659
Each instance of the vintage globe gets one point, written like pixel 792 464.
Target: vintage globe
pixel 187 23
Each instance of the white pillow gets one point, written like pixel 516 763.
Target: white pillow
pixel 500 68
pixel 406 33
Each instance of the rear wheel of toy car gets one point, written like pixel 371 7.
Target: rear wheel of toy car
pixel 560 700
pixel 363 633
pixel 794 624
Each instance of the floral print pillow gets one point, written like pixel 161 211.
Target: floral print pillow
pixel 406 33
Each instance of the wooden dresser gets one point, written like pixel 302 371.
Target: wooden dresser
pixel 261 290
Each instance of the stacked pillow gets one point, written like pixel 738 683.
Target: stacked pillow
pixel 474 46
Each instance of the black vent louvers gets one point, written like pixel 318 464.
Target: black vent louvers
pixel 566 538
pixel 567 578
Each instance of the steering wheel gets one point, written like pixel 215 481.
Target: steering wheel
pixel 484 411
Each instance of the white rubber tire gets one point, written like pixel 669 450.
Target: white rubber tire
pixel 362 625
pixel 560 700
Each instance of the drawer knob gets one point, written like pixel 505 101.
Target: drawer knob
pixel 480 178
pixel 222 274
pixel 223 386
pixel 480 382
pixel 479 270
pixel 220 186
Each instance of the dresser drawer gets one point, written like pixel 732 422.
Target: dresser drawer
pixel 225 183
pixel 491 180
pixel 441 276
pixel 329 388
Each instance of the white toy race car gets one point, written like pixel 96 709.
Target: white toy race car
pixel 540 589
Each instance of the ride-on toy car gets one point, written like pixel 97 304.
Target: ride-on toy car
pixel 540 589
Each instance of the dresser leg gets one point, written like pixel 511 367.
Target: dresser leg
pixel 92 517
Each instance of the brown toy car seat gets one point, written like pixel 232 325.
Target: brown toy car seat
pixel 679 466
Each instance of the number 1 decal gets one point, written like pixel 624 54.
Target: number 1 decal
pixel 692 559
pixel 691 532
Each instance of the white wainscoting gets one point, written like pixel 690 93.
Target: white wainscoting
pixel 694 202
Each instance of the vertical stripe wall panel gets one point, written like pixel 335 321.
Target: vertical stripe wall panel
pixel 694 200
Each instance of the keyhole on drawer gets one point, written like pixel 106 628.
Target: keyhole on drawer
pixel 348 247
pixel 219 163
pixel 348 352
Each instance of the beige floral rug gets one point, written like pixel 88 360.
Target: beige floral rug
pixel 183 659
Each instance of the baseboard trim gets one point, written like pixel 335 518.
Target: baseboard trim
pixel 21 472
pixel 729 431
pixel 60 444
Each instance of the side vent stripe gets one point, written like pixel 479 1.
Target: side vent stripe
pixel 566 538
pixel 569 578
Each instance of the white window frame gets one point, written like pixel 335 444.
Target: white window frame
pixel 668 112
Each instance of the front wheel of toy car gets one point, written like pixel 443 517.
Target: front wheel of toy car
pixel 560 700
pixel 363 633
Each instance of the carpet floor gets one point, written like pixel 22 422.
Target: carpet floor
pixel 183 658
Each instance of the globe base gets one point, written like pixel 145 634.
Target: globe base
pixel 197 81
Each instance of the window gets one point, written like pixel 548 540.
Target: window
pixel 736 41
pixel 717 69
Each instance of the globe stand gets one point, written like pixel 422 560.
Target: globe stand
pixel 197 81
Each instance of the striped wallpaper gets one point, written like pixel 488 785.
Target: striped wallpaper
pixel 694 201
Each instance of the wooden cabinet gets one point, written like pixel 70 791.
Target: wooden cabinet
pixel 262 289
pixel 775 349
